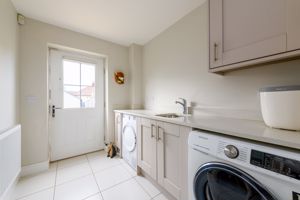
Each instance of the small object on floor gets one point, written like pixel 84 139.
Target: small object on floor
pixel 111 150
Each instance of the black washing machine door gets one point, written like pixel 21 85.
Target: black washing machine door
pixel 219 181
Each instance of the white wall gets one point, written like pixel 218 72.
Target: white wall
pixel 34 37
pixel 8 66
pixel 175 64
pixel 135 76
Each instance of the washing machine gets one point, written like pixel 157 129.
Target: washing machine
pixel 223 168
pixel 129 140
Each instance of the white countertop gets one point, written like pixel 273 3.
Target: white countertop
pixel 246 129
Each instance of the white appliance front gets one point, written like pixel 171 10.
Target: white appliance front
pixel 245 172
pixel 129 140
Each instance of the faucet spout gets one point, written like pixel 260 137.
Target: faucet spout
pixel 184 105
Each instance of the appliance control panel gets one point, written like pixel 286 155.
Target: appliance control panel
pixel 278 164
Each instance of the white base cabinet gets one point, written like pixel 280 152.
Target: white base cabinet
pixel 162 152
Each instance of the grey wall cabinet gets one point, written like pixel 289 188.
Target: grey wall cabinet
pixel 245 32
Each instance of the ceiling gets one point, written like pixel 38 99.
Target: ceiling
pixel 120 21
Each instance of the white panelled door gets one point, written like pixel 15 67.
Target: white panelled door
pixel 76 104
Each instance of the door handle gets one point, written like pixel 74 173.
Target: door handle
pixel 53 110
pixel 152 125
pixel 158 135
pixel 215 51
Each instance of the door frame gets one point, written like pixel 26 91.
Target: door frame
pixel 87 55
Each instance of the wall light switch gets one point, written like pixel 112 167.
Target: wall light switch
pixel 31 99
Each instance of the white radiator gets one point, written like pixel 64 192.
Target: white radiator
pixel 10 159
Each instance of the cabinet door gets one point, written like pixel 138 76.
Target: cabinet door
pixel 147 146
pixel 250 29
pixel 293 25
pixel 169 159
pixel 215 33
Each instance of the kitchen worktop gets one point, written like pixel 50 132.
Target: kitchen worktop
pixel 245 129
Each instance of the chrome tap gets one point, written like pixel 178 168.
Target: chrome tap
pixel 184 105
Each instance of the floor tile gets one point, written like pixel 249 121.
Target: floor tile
pixel 148 186
pixel 72 172
pixel 129 169
pixel 130 190
pixel 43 195
pixel 32 184
pixel 75 180
pixel 95 197
pixel 160 197
pixel 77 189
pixel 96 155
pixel 112 176
pixel 72 162
pixel 99 161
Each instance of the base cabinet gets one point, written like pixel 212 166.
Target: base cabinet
pixel 168 157
pixel 147 146
pixel 162 152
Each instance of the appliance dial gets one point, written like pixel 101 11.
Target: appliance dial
pixel 231 151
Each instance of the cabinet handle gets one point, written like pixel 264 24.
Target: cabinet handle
pixel 152 135
pixel 215 51
pixel 158 135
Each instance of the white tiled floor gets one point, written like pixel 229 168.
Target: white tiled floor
pixel 89 177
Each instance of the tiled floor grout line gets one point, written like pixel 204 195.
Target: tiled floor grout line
pixel 143 188
pixel 94 175
pixel 74 179
pixel 106 168
pixel 91 196
pixel 117 184
pixel 55 180
pixel 80 176
pixel 156 195
pixel 27 195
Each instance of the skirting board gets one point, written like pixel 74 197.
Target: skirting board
pixel 8 193
pixel 35 168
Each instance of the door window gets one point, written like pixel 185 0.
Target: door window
pixel 78 84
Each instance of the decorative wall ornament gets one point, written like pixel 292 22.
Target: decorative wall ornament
pixel 119 77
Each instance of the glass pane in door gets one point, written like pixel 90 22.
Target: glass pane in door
pixel 71 72
pixel 87 74
pixel 79 84
pixel 72 96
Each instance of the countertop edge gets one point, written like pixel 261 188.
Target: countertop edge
pixel 268 140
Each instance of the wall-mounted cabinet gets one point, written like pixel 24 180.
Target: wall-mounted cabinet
pixel 244 33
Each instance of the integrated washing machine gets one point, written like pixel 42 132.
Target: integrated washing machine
pixel 225 168
pixel 129 140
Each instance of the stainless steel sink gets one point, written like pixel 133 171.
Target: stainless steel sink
pixel 168 115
